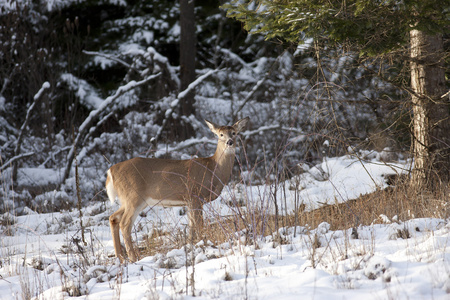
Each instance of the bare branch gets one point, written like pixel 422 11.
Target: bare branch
pixel 249 133
pixel 95 113
pixel 182 94
pixel 110 57
pixel 36 98
pixel 15 158
pixel 195 83
pixel 250 95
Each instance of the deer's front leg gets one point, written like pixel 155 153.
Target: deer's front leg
pixel 195 216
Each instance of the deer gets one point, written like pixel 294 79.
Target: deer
pixel 141 182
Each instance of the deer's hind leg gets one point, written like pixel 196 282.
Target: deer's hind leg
pixel 126 224
pixel 114 221
pixel 130 213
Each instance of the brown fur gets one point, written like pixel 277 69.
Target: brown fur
pixel 142 182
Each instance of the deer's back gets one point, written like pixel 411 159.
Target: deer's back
pixel 166 179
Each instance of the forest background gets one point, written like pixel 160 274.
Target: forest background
pixel 86 84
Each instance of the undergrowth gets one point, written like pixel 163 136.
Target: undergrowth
pixel 398 203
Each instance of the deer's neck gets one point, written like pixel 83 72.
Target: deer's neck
pixel 224 160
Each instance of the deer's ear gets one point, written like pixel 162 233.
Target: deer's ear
pixel 213 127
pixel 241 124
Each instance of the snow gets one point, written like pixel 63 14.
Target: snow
pixel 8 5
pixel 83 90
pixel 333 181
pixel 301 48
pixel 193 84
pixel 37 177
pixel 45 85
pixel 51 5
pixel 40 253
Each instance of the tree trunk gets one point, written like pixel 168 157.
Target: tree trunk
pixel 187 61
pixel 431 112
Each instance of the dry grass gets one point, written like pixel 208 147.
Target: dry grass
pixel 399 203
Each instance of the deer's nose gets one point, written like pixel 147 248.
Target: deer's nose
pixel 230 142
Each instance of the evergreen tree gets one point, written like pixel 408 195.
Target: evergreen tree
pixel 374 28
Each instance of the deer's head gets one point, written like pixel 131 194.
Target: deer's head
pixel 227 134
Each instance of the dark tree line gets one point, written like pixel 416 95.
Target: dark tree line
pixel 120 81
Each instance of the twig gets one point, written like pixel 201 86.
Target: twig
pixel 249 133
pixel 15 158
pixel 36 98
pixel 52 155
pixel 110 57
pixel 250 95
pixel 180 96
pixel 196 82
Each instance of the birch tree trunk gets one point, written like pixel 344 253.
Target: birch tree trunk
pixel 431 111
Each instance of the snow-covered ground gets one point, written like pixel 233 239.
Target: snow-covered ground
pixel 42 256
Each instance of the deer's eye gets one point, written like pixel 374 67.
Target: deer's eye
pixel 234 133
pixel 221 134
